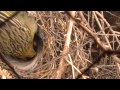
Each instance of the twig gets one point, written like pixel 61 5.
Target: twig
pixel 106 50
pixel 118 68
pixel 95 62
pixel 115 58
pixel 100 26
pixel 73 66
pixel 73 71
pixel 97 13
pixel 61 69
pixel 89 31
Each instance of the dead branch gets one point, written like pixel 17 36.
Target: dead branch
pixel 61 69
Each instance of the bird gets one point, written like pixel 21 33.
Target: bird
pixel 17 35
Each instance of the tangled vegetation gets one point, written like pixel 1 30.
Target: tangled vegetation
pixel 74 42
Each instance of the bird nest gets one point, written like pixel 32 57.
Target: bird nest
pixel 69 49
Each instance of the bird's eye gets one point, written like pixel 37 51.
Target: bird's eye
pixel 28 58
pixel 38 42
pixel 35 44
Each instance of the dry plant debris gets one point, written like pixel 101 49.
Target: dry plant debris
pixel 71 48
pixel 4 74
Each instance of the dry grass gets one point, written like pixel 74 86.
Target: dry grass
pixel 83 47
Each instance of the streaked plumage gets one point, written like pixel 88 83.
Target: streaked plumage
pixel 17 35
